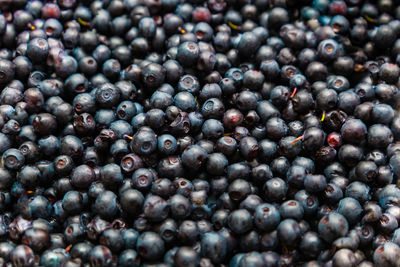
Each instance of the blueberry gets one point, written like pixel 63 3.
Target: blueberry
pixel 194 156
pixel 353 131
pixel 37 50
pixel 333 192
pixel 167 144
pixel 74 233
pixel 302 102
pixel 388 223
pixel 71 146
pixel 271 258
pixel 82 176
pixel 105 204
pixel 213 108
pixel 13 159
pixel 332 226
pixel 278 17
pixel 100 256
pixel 275 189
pixel 266 217
pixel 289 147
pixel 155 208
pixel 72 202
pixel 311 244
pixel 382 113
pixel 384 254
pixel 291 209
pixel 107 95
pixel 315 183
pixel 22 254
pixel 349 154
pixel 261 173
pixel 358 191
pixel 350 208
pixel 150 246
pixel 316 71
pixel 216 164
pixel 185 101
pixel 161 100
pixel 279 95
pixel 288 231
pixel 296 175
pixel 186 256
pixel 239 188
pixel 214 246
pixel 344 257
pixel 131 201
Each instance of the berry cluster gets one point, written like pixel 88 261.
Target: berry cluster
pixel 200 133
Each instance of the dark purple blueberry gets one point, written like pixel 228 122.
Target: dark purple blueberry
pixel 107 95
pixel 332 226
pixel 106 204
pixel 385 254
pixel 214 246
pixel 288 231
pixel 100 256
pixel 22 255
pixel 150 246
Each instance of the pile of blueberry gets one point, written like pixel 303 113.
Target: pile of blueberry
pixel 200 133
